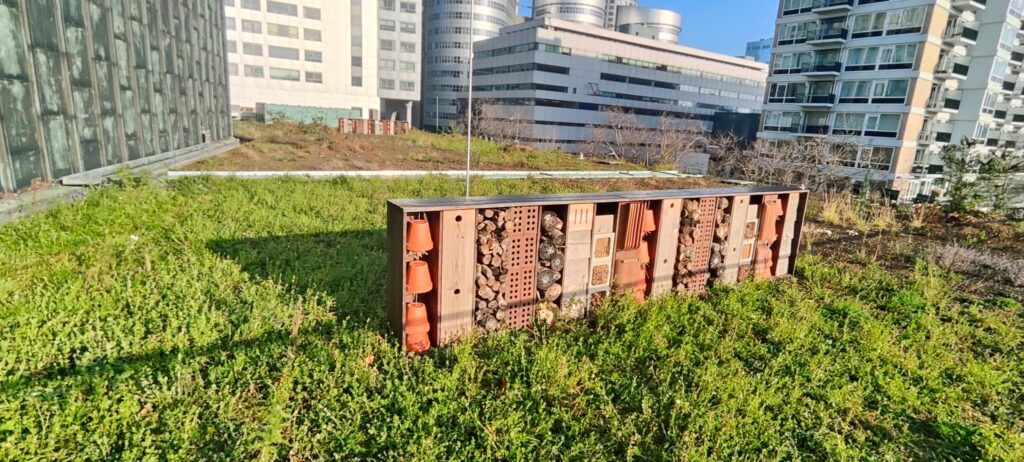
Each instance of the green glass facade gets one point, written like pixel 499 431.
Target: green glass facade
pixel 86 84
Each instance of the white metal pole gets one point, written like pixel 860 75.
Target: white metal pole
pixel 469 111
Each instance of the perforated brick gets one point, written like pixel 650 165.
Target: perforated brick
pixel 521 258
pixel 700 264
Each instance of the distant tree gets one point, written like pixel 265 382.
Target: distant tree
pixel 625 136
pixel 976 179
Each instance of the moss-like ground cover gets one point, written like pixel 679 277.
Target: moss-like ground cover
pixel 232 320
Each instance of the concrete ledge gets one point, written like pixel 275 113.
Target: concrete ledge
pixel 449 173
pixel 152 165
pixel 33 202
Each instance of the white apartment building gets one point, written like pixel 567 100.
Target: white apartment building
pixel 357 56
pixel 893 81
pixel 563 78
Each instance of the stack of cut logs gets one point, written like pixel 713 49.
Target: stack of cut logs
pixel 723 219
pixel 551 262
pixel 492 269
pixel 687 235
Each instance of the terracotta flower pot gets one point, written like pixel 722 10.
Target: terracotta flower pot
pixel 418 280
pixel 649 225
pixel 416 328
pixel 644 254
pixel 419 237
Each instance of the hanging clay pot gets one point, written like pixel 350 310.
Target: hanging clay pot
pixel 419 237
pixel 416 328
pixel 418 280
pixel 649 225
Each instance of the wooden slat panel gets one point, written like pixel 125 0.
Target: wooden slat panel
pixel 396 271
pixel 730 272
pixel 579 227
pixel 666 246
pixel 785 251
pixel 456 290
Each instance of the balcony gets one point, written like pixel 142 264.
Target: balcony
pixel 818 101
pixel 946 104
pixel 814 130
pixel 961 35
pixel 824 69
pixel 951 69
pixel 830 37
pixel 969 5
pixel 832 6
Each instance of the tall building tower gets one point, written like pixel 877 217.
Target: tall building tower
pixel 590 12
pixel 760 50
pixel 657 24
pixel 446 51
pixel 611 8
pixel 356 58
pixel 891 83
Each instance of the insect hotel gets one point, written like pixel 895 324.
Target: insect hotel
pixel 490 263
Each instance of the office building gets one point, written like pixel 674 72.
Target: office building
pixel 359 57
pixel 92 85
pixel 760 50
pixel 893 82
pixel 561 79
pixel 611 8
pixel 446 51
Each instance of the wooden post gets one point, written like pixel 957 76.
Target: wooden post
pixel 730 273
pixel 456 275
pixel 785 248
pixel 667 246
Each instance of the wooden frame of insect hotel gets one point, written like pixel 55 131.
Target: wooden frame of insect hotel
pixel 489 263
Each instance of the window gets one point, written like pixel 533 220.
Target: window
pixel 253 71
pixel 869 25
pixel 283 52
pixel 877 158
pixel 233 69
pixel 1000 66
pixel 387 64
pixel 1007 39
pixel 878 124
pixel 989 102
pixel 357 81
pixel 252 49
pixel 357 61
pixel 408 7
pixel 890 92
pixel 407 66
pixel 408 27
pixel 796 6
pixel 387 25
pixel 981 131
pixel 314 56
pixel 855 91
pixel 251 4
pixel 229 2
pixel 229 23
pixel 408 47
pixel 280 30
pixel 794 33
pixel 387 45
pixel 309 12
pixel 388 5
pixel 407 86
pixel 312 35
pixel 252 26
pixel 232 46
pixel 277 73
pixel 314 77
pixel 782 121
pixel 848 124
pixel 387 84
pixel 898 56
pixel 906 21
pixel 281 8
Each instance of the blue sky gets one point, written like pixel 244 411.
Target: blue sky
pixel 724 26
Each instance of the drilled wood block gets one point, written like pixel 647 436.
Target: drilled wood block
pixel 771 212
pixel 456 285
pixel 604 224
pixel 665 245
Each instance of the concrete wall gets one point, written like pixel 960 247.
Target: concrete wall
pixel 86 84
